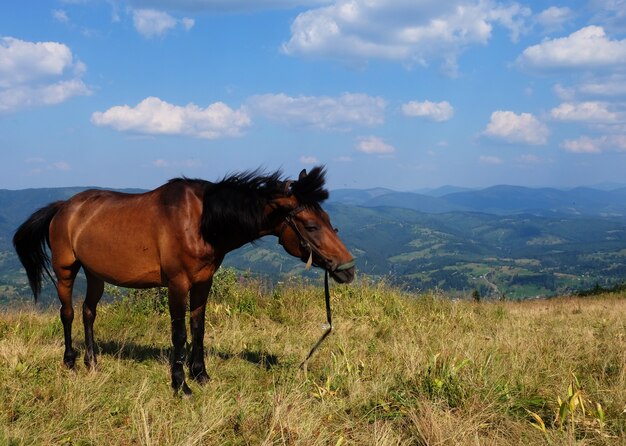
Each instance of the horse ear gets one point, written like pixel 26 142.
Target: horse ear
pixel 302 175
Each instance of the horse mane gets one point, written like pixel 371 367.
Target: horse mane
pixel 310 190
pixel 234 208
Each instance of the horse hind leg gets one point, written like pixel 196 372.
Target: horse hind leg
pixel 95 288
pixel 65 284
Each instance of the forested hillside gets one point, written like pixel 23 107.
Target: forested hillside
pixel 526 246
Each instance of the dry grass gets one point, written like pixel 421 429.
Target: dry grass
pixel 399 369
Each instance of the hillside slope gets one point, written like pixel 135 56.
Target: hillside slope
pixel 399 368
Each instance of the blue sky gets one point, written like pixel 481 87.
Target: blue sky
pixel 402 94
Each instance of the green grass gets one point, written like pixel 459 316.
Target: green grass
pixel 398 369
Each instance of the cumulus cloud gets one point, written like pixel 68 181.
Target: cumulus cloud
pixel 611 13
pixel 524 128
pixel 309 160
pixel 226 5
pixel 321 112
pixel 153 23
pixel 585 144
pixel 37 73
pixel 39 165
pixel 554 17
pixel 611 86
pixel 152 116
pixel 24 96
pixel 406 31
pixel 587 48
pixel 591 112
pixel 374 145
pixel 186 163
pixel 60 16
pixel 435 111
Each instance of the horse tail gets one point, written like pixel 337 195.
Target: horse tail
pixel 30 242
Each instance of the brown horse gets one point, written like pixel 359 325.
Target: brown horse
pixel 175 236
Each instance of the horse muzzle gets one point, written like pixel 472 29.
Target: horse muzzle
pixel 343 273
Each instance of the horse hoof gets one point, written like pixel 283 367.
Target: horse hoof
pixel 183 391
pixel 201 378
pixel 69 360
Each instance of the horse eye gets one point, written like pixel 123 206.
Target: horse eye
pixel 311 228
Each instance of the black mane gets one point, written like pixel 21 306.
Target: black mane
pixel 310 190
pixel 233 208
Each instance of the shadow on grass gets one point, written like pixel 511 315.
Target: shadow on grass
pixel 142 353
pixel 262 359
pixel 135 352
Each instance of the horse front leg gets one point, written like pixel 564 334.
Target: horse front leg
pixel 198 297
pixel 178 306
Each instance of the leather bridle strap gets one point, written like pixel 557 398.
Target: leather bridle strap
pixel 312 249
pixel 329 318
pixel 306 244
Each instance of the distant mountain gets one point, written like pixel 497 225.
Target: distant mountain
pixel 499 200
pixel 505 200
pixel 358 197
pixel 441 191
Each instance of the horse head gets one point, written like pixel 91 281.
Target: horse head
pixel 304 228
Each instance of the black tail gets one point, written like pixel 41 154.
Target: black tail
pixel 30 242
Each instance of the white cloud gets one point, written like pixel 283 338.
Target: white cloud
pixel 309 160
pixel 588 48
pixel 611 86
pixel 554 17
pixel 60 16
pixel 490 160
pixel 321 112
pixel 513 128
pixel 22 61
pixel 187 163
pixel 61 165
pixel 374 145
pixel 37 73
pixel 41 165
pixel 226 5
pixel 591 112
pixel 435 111
pixel 22 96
pixel 153 23
pixel 611 13
pixel 156 117
pixel 406 31
pixel 585 144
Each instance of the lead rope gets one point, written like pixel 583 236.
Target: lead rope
pixel 329 318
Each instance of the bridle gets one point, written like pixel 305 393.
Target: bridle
pixel 310 246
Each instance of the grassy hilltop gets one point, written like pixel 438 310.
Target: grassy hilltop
pixel 399 369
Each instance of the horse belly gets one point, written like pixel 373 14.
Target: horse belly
pixel 132 262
